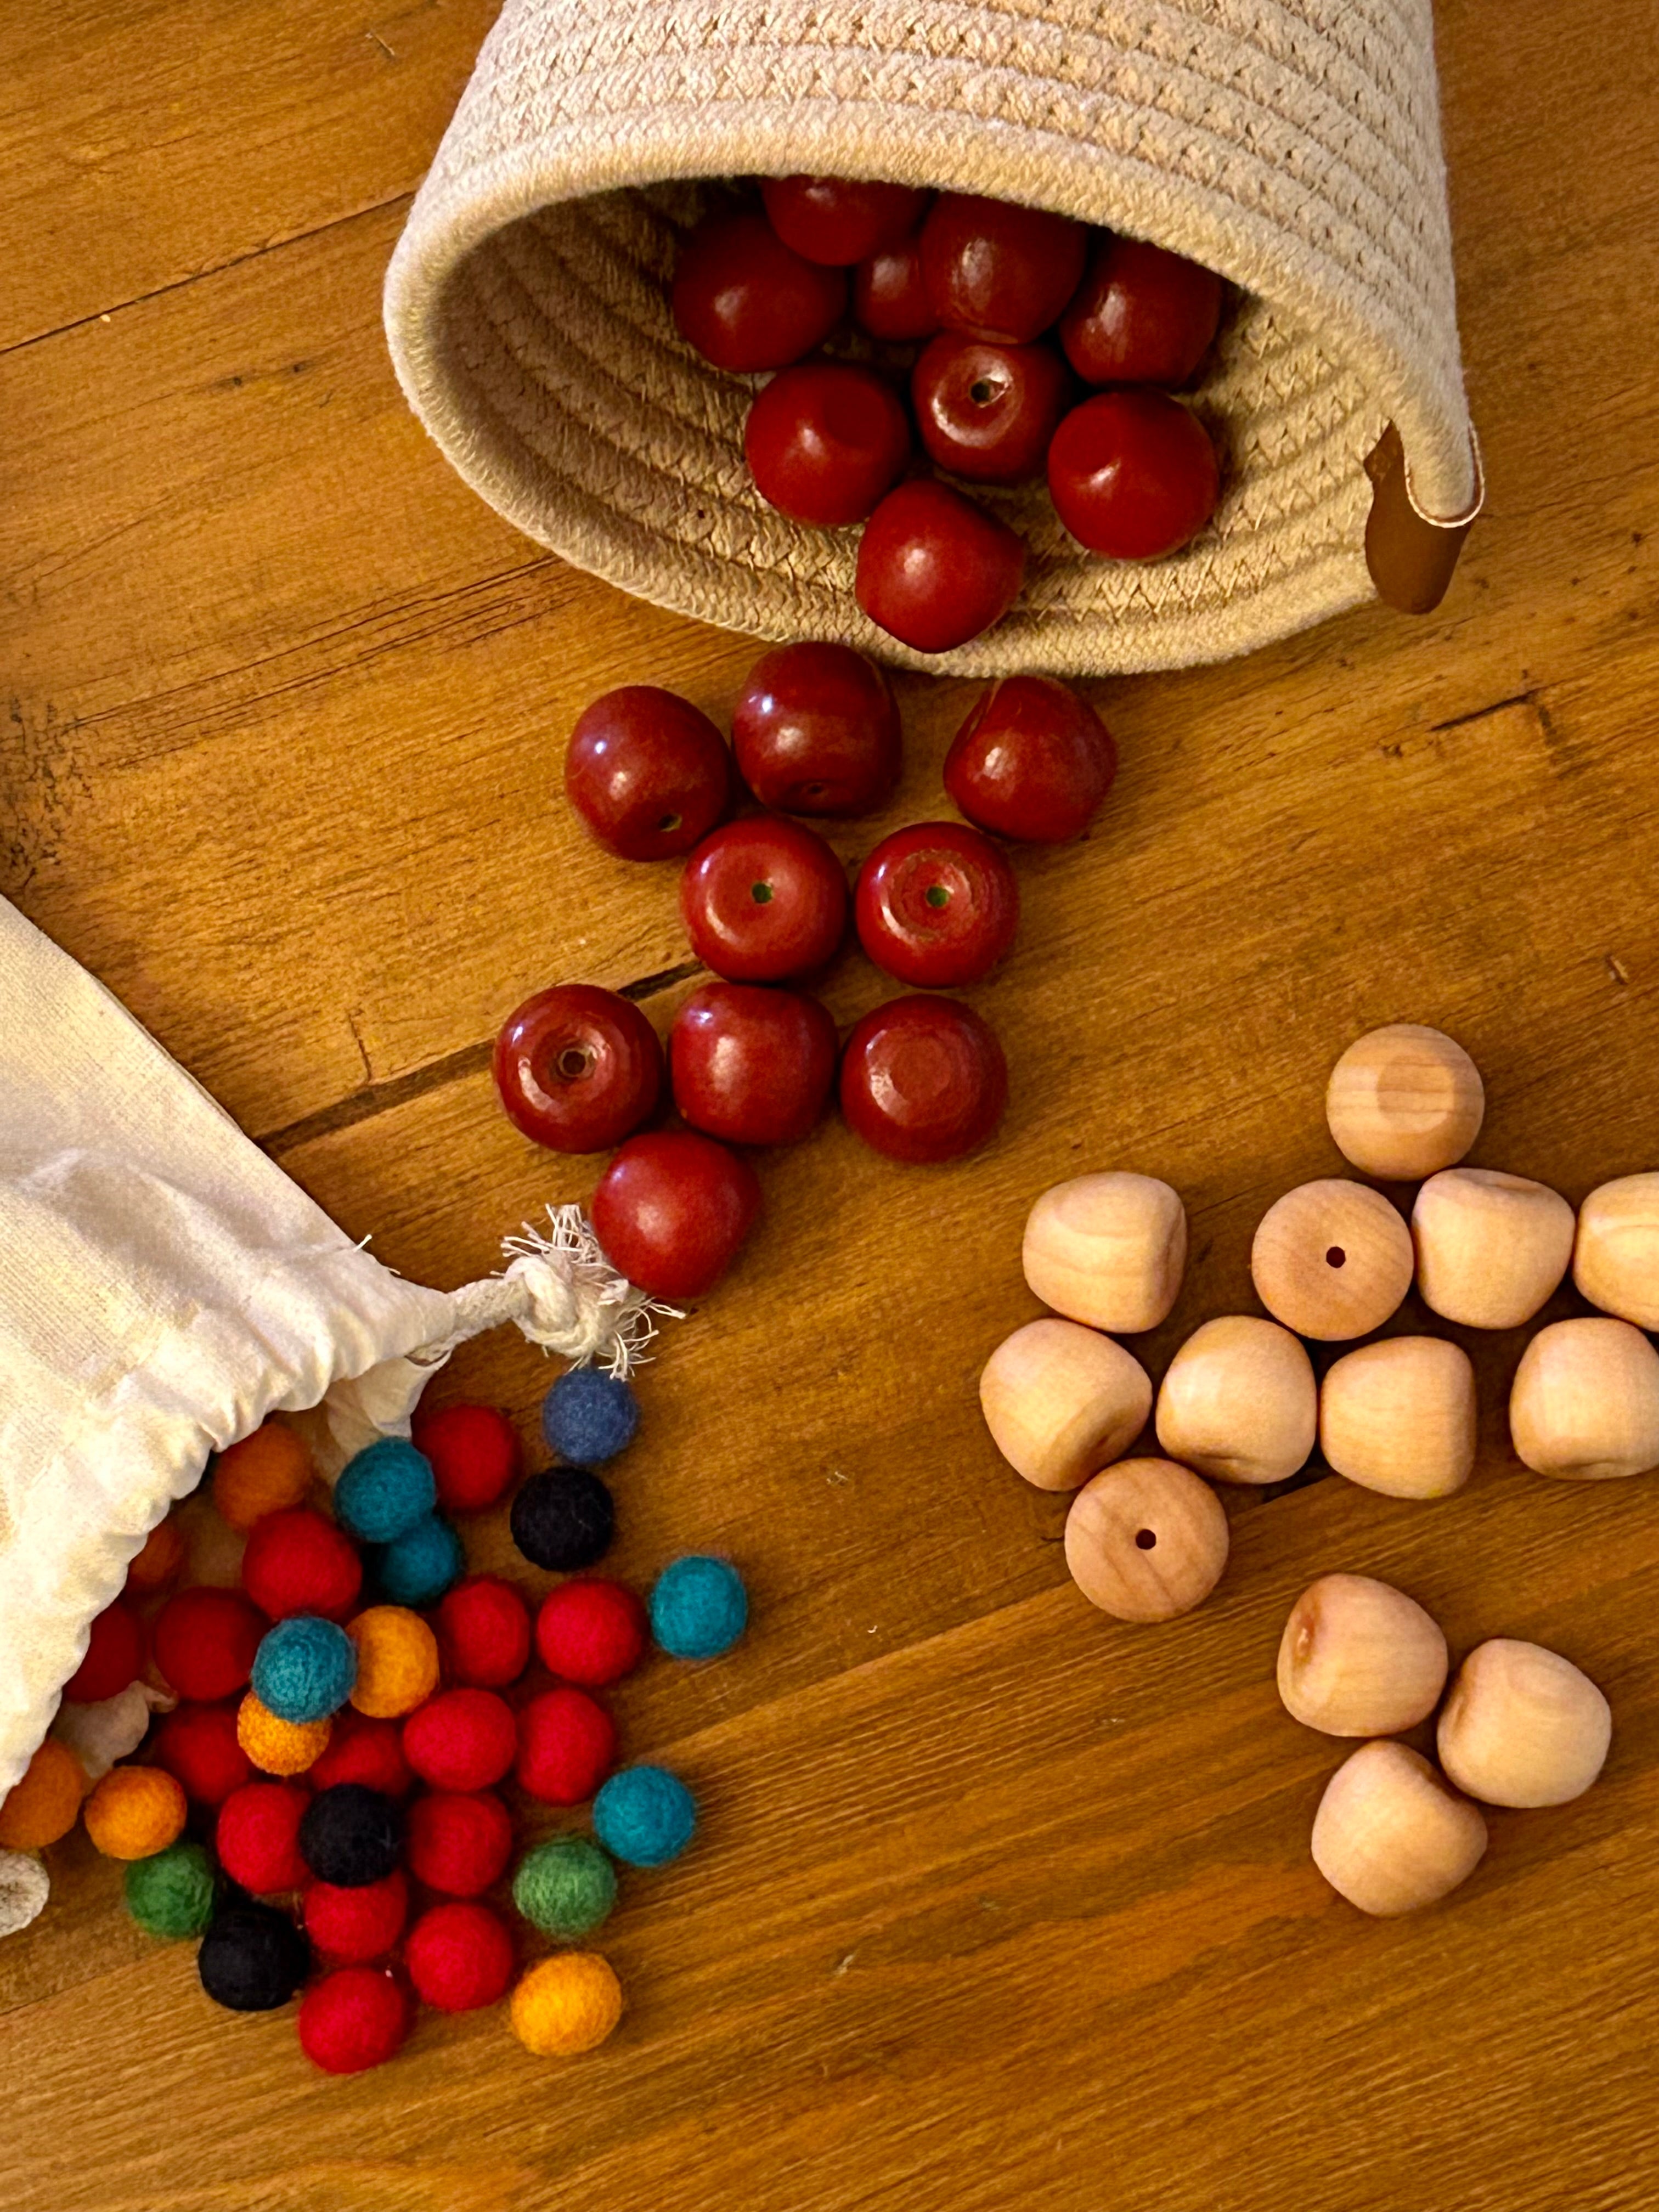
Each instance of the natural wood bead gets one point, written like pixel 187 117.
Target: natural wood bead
pixel 1359 1657
pixel 1615 1260
pixel 1062 1402
pixel 1108 1250
pixel 1585 1401
pixel 1145 1539
pixel 1239 1402
pixel 1404 1101
pixel 1523 1726
pixel 1491 1248
pixel 1332 1259
pixel 1389 1836
pixel 1398 1416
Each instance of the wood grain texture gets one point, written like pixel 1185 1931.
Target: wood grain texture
pixel 997 1903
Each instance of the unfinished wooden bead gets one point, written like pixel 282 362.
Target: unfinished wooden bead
pixel 1404 1101
pixel 1359 1657
pixel 1062 1402
pixel 1523 1726
pixel 1585 1401
pixel 1108 1250
pixel 1332 1259
pixel 1145 1539
pixel 1399 1417
pixel 1239 1401
pixel 1491 1248
pixel 1389 1836
pixel 1615 1260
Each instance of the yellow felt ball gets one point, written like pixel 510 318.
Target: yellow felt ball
pixel 567 2004
pixel 279 1747
pixel 266 1472
pixel 47 1803
pixel 397 1661
pixel 135 1812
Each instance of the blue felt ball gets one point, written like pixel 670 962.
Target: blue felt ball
pixel 698 1608
pixel 644 1816
pixel 304 1668
pixel 385 1491
pixel 588 1417
pixel 419 1566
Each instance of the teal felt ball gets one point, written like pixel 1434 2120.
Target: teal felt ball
pixel 644 1816
pixel 305 1667
pixel 385 1491
pixel 170 1894
pixel 421 1565
pixel 699 1608
pixel 565 1887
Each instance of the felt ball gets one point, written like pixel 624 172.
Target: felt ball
pixel 397 1661
pixel 257 1836
pixel 483 1632
pixel 475 1455
pixel 135 1812
pixel 304 1668
pixel 351 1835
pixel 205 1641
pixel 458 1845
pixel 362 1750
pixel 461 1740
pixel 171 1894
pixel 158 1559
pixel 591 1630
pixel 459 1957
pixel 644 1816
pixel 276 1745
pixel 567 1746
pixel 253 1958
pixel 567 2004
pixel 45 1803
pixel 699 1608
pixel 356 1925
pixel 25 1886
pixel 114 1656
pixel 199 1748
pixel 588 1416
pixel 112 1730
pixel 385 1491
pixel 301 1562
pixel 264 1473
pixel 354 2018
pixel 563 1519
pixel 419 1566
pixel 565 1887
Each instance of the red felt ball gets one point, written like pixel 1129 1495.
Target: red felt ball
pixel 198 1746
pixel 354 2017
pixel 459 1957
pixel 356 1925
pixel 300 1561
pixel 591 1630
pixel 483 1632
pixel 115 1656
pixel 458 1845
pixel 258 1836
pixel 475 1455
pixel 461 1738
pixel 363 1750
pixel 567 1746
pixel 204 1643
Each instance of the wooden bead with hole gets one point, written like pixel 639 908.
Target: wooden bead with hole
pixel 1390 1835
pixel 1523 1726
pixel 1331 1260
pixel 1399 1417
pixel 1491 1249
pixel 1584 1405
pixel 1615 1258
pixel 1359 1657
pixel 1108 1250
pixel 1238 1401
pixel 1145 1539
pixel 1062 1402
pixel 1403 1101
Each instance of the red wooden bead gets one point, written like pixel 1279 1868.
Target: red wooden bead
pixel 672 1210
pixel 578 1068
pixel 1000 271
pixel 824 441
pixel 1141 315
pixel 648 773
pixel 1132 474
pixel 763 899
pixel 923 1080
pixel 746 301
pixel 936 904
pixel 1033 761
pixel 815 731
pixel 890 296
pixel 987 412
pixel 839 220
pixel 751 1064
pixel 934 570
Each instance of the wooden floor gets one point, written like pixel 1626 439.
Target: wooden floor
pixel 996 1905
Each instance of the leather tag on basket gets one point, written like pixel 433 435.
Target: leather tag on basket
pixel 1412 554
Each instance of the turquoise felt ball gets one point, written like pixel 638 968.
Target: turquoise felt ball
pixel 699 1608
pixel 421 1565
pixel 304 1668
pixel 644 1816
pixel 385 1491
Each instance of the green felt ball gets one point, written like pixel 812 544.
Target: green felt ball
pixel 565 1887
pixel 171 1893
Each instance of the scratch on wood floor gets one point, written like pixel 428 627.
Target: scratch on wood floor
pixel 1617 969
pixel 382 45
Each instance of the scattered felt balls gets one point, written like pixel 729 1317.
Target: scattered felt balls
pixel 353 2019
pixel 461 1738
pixel 203 1642
pixel 483 1632
pixel 114 1656
pixel 45 1803
pixel 171 1893
pixel 397 1661
pixel 644 1816
pixel 563 1519
pixel 351 1835
pixel 304 1668
pixel 588 1417
pixel 362 1750
pixel 276 1745
pixel 135 1812
pixel 418 1567
pixel 567 1746
pixel 300 1561
pixel 385 1491
pixel 567 2004
pixel 265 1472
pixel 199 1748
pixel 591 1631
pixel 565 1887
pixel 474 1453
pixel 460 1956
pixel 459 1843
pixel 253 1958
pixel 699 1608
pixel 256 1837
pixel 352 1925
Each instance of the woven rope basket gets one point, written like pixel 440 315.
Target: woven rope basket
pixel 1294 148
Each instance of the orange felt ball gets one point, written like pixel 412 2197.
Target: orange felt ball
pixel 135 1812
pixel 47 1803
pixel 159 1561
pixel 279 1747
pixel 266 1472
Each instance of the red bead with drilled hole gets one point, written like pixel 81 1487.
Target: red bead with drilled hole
pixel 647 773
pixel 985 411
pixel 923 1080
pixel 840 220
pixel 763 899
pixel 934 570
pixel 889 295
pixel 751 1064
pixel 672 1210
pixel 824 441
pixel 474 1449
pixel 937 905
pixel 1140 316
pixel 746 301
pixel 1000 271
pixel 1132 474
pixel 815 731
pixel 578 1068
pixel 1032 761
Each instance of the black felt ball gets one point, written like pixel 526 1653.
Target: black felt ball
pixel 351 1835
pixel 563 1519
pixel 253 1958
